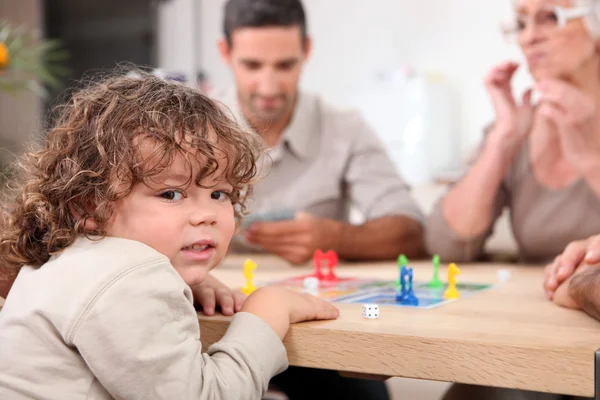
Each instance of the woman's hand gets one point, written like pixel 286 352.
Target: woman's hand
pixel 574 114
pixel 513 121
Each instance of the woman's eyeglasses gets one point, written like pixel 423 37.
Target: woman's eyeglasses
pixel 549 20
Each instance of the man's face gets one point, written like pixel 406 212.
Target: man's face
pixel 266 64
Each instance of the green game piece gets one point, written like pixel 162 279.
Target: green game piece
pixel 435 282
pixel 402 261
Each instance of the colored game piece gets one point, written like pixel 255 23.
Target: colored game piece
pixel 249 267
pixel 436 282
pixel 332 262
pixel 318 263
pixel 402 262
pixel 410 298
pixel 401 289
pixel 370 311
pixel 452 292
pixel 330 258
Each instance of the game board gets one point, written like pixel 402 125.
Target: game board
pixel 382 292
pixel 373 291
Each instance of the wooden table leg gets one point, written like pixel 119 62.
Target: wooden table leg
pixel 597 375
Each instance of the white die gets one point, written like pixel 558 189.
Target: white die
pixel 370 311
pixel 311 282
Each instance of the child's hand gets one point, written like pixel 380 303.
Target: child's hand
pixel 279 308
pixel 212 293
pixel 306 307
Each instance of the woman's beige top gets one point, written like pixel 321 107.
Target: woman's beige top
pixel 543 220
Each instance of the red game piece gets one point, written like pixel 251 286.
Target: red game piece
pixel 332 262
pixel 317 261
pixel 331 258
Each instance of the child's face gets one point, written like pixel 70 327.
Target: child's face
pixel 191 225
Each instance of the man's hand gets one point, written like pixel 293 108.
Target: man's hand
pixel 295 240
pixel 212 293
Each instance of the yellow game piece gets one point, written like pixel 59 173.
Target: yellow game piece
pixel 249 267
pixel 452 292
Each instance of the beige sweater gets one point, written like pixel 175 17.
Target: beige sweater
pixel 113 319
pixel 543 220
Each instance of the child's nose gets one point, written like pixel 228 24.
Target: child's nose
pixel 203 216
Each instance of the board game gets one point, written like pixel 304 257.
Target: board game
pixel 358 290
pixel 402 292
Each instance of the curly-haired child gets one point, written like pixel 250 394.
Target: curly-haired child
pixel 131 201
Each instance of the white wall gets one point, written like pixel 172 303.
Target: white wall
pixel 178 36
pixel 356 39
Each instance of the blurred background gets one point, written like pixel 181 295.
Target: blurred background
pixel 415 69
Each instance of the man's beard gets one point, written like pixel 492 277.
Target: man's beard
pixel 268 115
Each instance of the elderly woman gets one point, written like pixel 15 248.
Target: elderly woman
pixel 541 161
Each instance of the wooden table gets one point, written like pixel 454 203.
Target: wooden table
pixel 508 336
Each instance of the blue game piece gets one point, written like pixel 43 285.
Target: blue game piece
pixel 410 298
pixel 403 289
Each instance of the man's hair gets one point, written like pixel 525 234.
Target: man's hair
pixel 263 13
pixel 91 158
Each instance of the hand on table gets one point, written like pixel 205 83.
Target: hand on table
pixel 295 240
pixel 212 293
pixel 281 307
pixel 562 295
pixel 577 253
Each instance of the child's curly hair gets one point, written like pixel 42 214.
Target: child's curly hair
pixel 91 159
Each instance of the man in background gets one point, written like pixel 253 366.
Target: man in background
pixel 321 160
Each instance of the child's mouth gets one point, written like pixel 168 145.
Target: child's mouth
pixel 197 247
pixel 199 251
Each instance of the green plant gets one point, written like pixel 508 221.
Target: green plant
pixel 28 63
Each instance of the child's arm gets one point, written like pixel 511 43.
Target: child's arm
pixel 141 339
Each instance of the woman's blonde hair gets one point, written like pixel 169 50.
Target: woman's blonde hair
pixel 90 159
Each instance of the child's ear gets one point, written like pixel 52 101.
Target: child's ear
pixel 90 225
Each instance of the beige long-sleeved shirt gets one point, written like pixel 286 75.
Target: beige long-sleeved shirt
pixel 543 220
pixel 328 160
pixel 113 319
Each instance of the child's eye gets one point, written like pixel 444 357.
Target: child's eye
pixel 172 195
pixel 220 195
